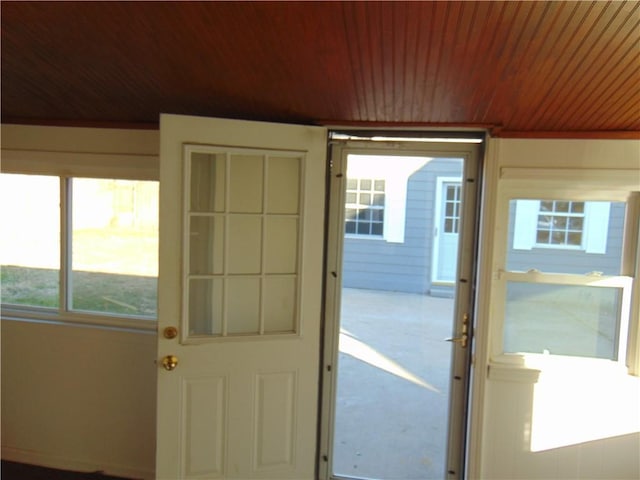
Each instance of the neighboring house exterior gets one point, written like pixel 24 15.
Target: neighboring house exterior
pixel 410 244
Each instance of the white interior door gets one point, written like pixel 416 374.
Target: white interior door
pixel 242 211
pixel 448 204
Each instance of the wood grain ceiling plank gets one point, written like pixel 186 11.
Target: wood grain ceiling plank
pixel 430 66
pixel 449 61
pixel 577 32
pixel 583 64
pixel 605 57
pixel 406 34
pixel 497 33
pixel 614 104
pixel 537 67
pixel 508 91
pixel 423 59
pixel 469 72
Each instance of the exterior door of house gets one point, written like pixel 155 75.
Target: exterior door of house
pixel 446 231
pixel 241 248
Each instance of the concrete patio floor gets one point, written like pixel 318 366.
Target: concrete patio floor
pixel 393 382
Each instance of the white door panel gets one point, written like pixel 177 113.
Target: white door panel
pixel 240 279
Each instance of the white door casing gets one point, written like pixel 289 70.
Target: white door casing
pixel 464 281
pixel 241 280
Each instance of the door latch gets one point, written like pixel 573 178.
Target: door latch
pixel 463 339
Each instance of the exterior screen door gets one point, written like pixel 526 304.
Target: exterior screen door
pixel 242 211
pixel 395 391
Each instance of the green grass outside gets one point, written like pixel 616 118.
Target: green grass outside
pixel 93 292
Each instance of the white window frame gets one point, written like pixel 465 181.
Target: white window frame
pixel 396 182
pixel 530 184
pixel 594 230
pixel 66 166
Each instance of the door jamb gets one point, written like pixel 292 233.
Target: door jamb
pixel 473 155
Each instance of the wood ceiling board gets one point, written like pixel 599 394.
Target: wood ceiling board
pixel 523 66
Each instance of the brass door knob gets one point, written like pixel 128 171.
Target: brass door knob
pixel 170 362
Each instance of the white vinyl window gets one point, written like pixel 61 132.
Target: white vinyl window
pixel 79 249
pixel 554 298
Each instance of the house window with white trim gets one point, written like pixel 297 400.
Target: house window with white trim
pixel 561 224
pixel 364 206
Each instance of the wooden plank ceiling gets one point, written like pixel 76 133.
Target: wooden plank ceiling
pixel 524 68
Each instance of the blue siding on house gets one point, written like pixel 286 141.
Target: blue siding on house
pixel 561 260
pixel 380 265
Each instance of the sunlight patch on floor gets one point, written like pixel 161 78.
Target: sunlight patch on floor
pixel 362 351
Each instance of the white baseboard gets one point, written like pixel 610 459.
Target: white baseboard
pixel 53 461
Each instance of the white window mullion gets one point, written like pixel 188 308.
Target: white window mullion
pixel 66 246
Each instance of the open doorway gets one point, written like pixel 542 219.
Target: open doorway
pixel 397 398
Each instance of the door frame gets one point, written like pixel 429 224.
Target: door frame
pixel 461 374
pixel 437 227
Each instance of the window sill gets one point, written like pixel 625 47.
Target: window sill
pixel 111 322
pixel 527 367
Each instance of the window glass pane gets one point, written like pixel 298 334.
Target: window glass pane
pixel 350 227
pixel 30 242
pixel 114 246
pixel 562 320
pixel 363 228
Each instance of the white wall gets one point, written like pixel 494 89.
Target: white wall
pixel 76 397
pixel 79 398
pixel 557 419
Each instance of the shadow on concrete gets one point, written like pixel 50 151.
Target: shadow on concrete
pixel 393 383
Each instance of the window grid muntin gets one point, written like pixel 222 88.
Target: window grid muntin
pixel 226 213
pixel 560 223
pixel 452 204
pixel 364 207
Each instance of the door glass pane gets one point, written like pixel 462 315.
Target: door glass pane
pixel 207 189
pixel 243 305
pixel 245 244
pixel 562 320
pixel 205 306
pixel 30 240
pixel 206 249
pixel 283 185
pixel 114 246
pixel 281 245
pixel 246 181
pixel 279 304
